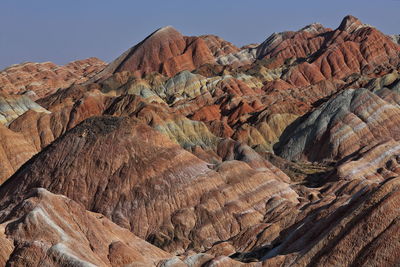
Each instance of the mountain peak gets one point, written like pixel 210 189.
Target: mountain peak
pixel 314 27
pixel 167 30
pixel 351 24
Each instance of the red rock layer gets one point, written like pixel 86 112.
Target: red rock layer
pixel 179 158
pixel 287 45
pixel 123 169
pixel 15 150
pixel 41 79
pixel 358 231
pixel 168 52
pixel 323 54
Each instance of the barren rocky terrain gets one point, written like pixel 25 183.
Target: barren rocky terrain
pixel 190 151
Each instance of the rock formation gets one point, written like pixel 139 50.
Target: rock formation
pixel 40 79
pixel 189 151
pixel 48 229
pixel 350 121
pixel 14 151
pixel 167 51
pixel 11 107
pixel 134 183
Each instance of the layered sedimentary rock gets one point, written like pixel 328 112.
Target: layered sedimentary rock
pixel 395 38
pixel 286 45
pixel 240 58
pixel 178 128
pixel 374 163
pixel 27 127
pixel 14 151
pixel 126 173
pixel 64 110
pixel 47 229
pixel 321 53
pixel 341 238
pixel 40 79
pixel 15 148
pixel 168 52
pixel 345 124
pixel 285 99
pixel 284 153
pixel 11 107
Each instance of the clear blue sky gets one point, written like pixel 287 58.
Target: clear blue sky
pixel 66 30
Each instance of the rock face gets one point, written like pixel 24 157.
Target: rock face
pixel 40 79
pixel 299 44
pixel 189 151
pixel 395 38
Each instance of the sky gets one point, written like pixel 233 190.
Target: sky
pixel 65 30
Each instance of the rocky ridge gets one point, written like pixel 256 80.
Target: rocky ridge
pixel 40 79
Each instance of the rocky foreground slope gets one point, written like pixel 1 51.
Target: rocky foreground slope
pixel 190 151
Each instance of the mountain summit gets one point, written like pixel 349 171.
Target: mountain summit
pixel 167 51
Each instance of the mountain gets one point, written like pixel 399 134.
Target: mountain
pixel 167 51
pixel 154 201
pixel 190 151
pixel 40 79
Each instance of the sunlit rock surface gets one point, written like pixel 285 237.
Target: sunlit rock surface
pixel 190 151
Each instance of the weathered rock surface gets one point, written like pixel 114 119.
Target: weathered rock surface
pixel 168 52
pixel 284 153
pixel 360 231
pixel 40 79
pixel 319 53
pixel 395 38
pixel 14 151
pixel 125 172
pixel 44 229
pixel 11 107
pixel 288 45
pixel 350 121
